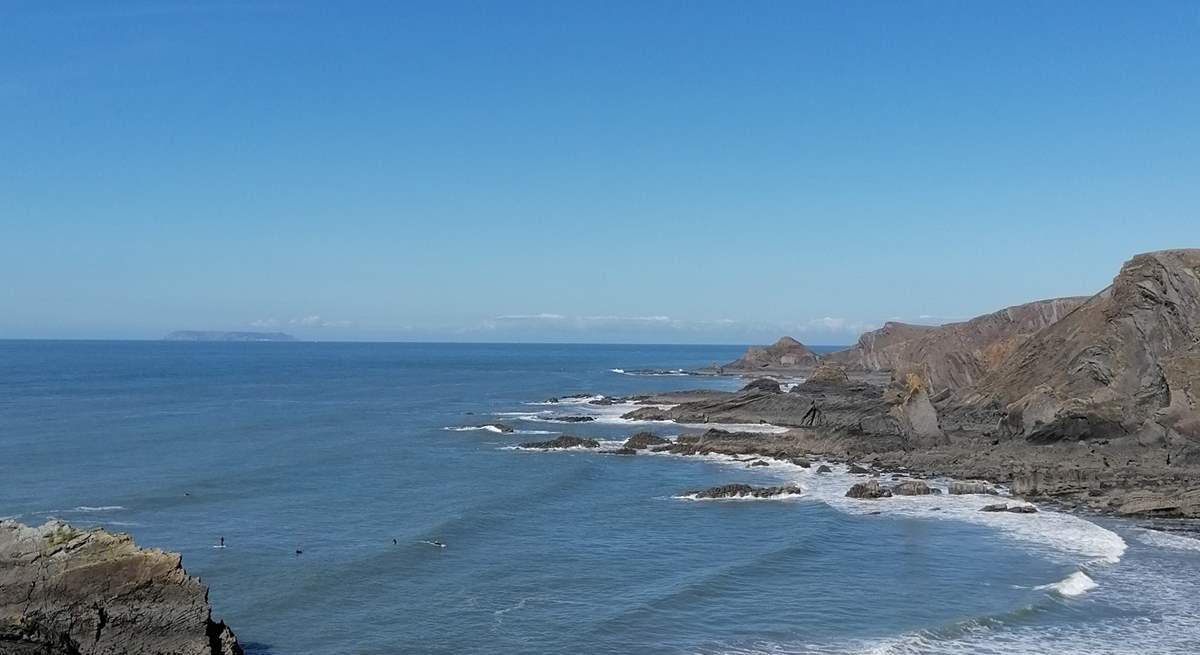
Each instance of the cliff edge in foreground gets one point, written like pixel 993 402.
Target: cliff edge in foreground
pixel 65 591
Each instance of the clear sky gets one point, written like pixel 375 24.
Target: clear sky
pixel 713 172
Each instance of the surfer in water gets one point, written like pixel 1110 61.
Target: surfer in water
pixel 435 542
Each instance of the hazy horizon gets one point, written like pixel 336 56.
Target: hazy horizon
pixel 582 172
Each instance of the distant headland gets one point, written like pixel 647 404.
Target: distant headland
pixel 210 335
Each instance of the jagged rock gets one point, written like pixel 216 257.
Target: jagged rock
pixel 641 440
pixel 745 490
pixel 824 469
pixel 785 354
pixel 828 373
pixel 801 462
pixel 65 591
pixel 855 469
pixel 868 490
pixel 623 451
pixel 913 488
pixel 759 462
pixel 764 385
pixel 565 441
pixel 958 488
pixel 573 419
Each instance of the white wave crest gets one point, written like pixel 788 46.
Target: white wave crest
pixel 1076 584
pixel 1167 540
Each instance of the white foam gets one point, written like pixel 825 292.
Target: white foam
pixel 101 508
pixel 1076 584
pixel 1167 540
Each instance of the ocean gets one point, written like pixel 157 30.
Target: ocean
pixel 357 455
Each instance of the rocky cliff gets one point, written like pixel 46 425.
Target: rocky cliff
pixel 954 355
pixel 65 591
pixel 1125 363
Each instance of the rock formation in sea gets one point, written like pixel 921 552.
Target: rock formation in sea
pixel 745 491
pixel 565 441
pixel 66 591
pixel 785 354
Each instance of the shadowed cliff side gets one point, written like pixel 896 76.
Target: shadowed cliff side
pixel 65 591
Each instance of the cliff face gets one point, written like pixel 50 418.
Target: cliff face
pixel 955 355
pixel 1126 362
pixel 65 591
pixel 785 354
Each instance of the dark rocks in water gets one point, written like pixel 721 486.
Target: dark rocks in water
pixel 868 490
pixel 605 401
pixel 66 591
pixel 959 488
pixel 759 462
pixel 565 441
pixel 640 440
pixel 824 469
pixel 913 488
pixel 744 491
pixel 573 419
pixel 855 469
pixel 1005 507
pixel 623 451
pixel 801 462
pixel 765 385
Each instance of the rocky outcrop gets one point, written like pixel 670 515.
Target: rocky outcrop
pixel 787 354
pixel 1005 507
pixel 913 488
pixel 745 491
pixel 642 440
pixel 565 441
pixel 572 419
pixel 65 591
pixel 868 490
pixel 764 385
pixel 955 355
pixel 1126 363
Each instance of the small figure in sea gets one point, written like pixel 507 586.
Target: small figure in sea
pixel 299 552
pixel 222 542
pixel 394 542
pixel 435 542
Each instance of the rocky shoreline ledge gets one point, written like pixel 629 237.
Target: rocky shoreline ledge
pixel 66 591
pixel 1091 403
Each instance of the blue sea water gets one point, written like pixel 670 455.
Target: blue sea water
pixel 336 450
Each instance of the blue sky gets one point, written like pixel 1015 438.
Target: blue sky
pixel 709 172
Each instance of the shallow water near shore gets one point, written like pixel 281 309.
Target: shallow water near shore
pixel 336 450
